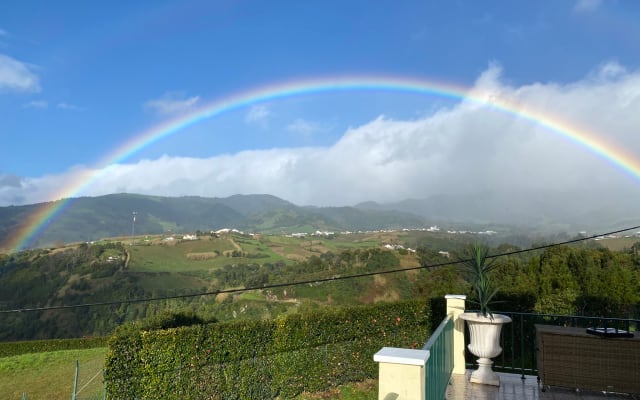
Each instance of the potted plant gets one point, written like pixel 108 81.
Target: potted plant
pixel 484 326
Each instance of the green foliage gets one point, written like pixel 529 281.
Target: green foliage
pixel 477 267
pixel 8 349
pixel 84 273
pixel 585 281
pixel 263 359
pixel 164 320
pixel 439 281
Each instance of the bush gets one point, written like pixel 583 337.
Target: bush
pixel 261 359
pixel 8 349
pixel 164 320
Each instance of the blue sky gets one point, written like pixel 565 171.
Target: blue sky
pixel 78 79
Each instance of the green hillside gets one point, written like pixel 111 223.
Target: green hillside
pixel 167 265
pixel 583 278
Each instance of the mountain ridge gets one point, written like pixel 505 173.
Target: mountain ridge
pixel 94 218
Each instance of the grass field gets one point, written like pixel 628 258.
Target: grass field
pixel 171 257
pixel 367 390
pixel 50 375
pixel 618 244
pixel 182 256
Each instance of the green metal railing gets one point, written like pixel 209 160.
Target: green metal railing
pixel 440 361
pixel 518 340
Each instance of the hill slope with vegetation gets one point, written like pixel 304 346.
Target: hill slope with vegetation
pixel 581 279
pixel 164 266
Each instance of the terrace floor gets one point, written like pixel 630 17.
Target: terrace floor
pixel 514 388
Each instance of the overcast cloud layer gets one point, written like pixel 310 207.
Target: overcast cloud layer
pixel 460 150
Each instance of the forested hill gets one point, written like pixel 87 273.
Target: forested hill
pixel 94 218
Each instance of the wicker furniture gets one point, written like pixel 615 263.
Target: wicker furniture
pixel 572 358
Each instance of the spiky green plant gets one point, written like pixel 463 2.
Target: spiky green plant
pixel 477 267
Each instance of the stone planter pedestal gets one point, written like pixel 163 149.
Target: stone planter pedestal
pixel 485 344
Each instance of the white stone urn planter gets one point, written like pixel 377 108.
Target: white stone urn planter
pixel 485 344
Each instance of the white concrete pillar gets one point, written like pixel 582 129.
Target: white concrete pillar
pixel 455 307
pixel 402 373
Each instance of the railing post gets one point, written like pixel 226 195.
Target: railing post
pixel 402 373
pixel 75 382
pixel 455 307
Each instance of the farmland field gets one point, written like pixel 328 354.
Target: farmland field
pixel 618 244
pixel 208 253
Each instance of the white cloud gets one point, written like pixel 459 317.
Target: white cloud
pixel 67 106
pixel 37 104
pixel 587 5
pixel 17 76
pixel 303 127
pixel 172 103
pixel 258 115
pixel 609 70
pixel 462 150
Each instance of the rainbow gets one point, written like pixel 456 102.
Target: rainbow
pixel 37 221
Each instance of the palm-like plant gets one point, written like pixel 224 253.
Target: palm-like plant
pixel 477 267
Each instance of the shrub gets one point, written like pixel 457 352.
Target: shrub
pixel 164 320
pixel 8 349
pixel 261 358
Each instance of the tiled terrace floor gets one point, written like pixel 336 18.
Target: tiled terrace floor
pixel 514 388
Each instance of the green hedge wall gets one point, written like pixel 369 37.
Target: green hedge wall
pixel 261 359
pixel 8 349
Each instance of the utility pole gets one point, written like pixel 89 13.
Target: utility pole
pixel 133 226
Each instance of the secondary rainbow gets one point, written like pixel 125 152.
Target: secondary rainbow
pixel 37 221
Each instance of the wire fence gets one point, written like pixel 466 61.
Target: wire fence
pixel 90 388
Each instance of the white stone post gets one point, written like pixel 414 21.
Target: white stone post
pixel 455 307
pixel 402 373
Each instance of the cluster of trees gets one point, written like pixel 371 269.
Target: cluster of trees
pixel 567 280
pixel 317 266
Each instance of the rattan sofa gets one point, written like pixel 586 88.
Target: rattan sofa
pixel 572 358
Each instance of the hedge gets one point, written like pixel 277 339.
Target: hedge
pixel 8 349
pixel 261 359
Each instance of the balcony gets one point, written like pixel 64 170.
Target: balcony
pixel 586 366
pixel 513 387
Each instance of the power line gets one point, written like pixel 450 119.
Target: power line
pixel 305 282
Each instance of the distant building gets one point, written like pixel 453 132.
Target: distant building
pixel 228 230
